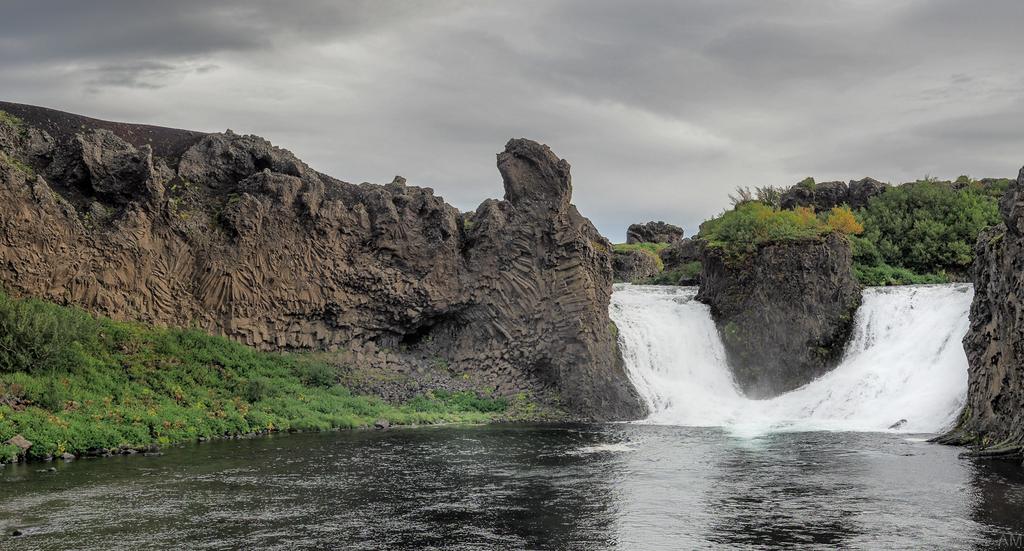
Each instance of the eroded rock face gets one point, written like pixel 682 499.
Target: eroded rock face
pixel 993 418
pixel 784 312
pixel 243 239
pixel 653 232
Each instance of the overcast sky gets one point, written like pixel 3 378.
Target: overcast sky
pixel 662 108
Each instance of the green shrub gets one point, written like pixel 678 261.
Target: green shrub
pixel 9 453
pixel 52 395
pixel 751 224
pixel 808 183
pixel 925 227
pixel 921 232
pixel 885 274
pixel 258 389
pixel 37 336
pixel 317 374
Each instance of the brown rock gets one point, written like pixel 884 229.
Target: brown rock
pixel 20 442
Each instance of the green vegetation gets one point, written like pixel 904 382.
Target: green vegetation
pixel 10 120
pixel 650 249
pixel 885 274
pixel 688 271
pixel 691 270
pixel 921 231
pixel 653 248
pixel 751 224
pixel 70 383
pixel 18 165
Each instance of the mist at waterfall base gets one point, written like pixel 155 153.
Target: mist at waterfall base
pixel 904 361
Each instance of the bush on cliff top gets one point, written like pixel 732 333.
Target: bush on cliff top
pixel 925 227
pixel 70 382
pixel 921 232
pixel 752 224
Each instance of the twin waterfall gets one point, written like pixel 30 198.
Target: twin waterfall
pixel 904 361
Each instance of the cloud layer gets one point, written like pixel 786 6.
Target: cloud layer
pixel 662 107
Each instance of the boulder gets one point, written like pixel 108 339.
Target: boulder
pixel 19 442
pixel 653 232
pixel 861 191
pixel 830 194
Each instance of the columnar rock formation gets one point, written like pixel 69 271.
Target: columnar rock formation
pixel 231 234
pixel 784 311
pixel 993 418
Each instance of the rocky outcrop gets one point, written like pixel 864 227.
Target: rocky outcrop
pixel 541 284
pixel 233 235
pixel 993 417
pixel 826 195
pixel 682 260
pixel 634 265
pixel 784 311
pixel 653 232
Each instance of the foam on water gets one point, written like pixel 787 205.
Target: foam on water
pixel 904 361
pixel 601 448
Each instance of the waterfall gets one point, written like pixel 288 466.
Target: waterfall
pixel 904 361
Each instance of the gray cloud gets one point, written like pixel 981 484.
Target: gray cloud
pixel 143 74
pixel 662 107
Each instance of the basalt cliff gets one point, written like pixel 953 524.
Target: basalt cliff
pixel 993 417
pixel 784 312
pixel 233 235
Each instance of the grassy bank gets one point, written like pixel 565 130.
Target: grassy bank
pixel 71 383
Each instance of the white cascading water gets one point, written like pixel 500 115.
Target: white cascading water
pixel 904 361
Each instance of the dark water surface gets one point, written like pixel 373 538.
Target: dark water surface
pixel 513 487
